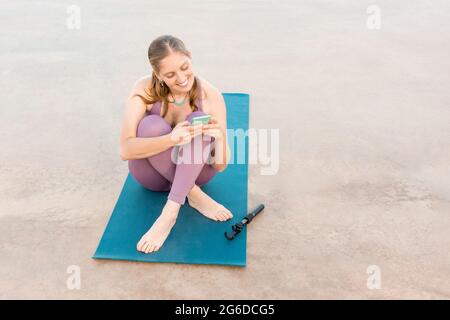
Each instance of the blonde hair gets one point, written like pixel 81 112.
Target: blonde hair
pixel 159 49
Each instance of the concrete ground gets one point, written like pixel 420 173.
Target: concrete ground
pixel 364 163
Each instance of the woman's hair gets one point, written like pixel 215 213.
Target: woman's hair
pixel 159 49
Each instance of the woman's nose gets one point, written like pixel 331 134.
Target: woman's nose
pixel 181 78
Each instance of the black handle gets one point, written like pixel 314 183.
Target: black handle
pixel 240 225
pixel 254 212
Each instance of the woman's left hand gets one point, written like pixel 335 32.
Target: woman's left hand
pixel 213 129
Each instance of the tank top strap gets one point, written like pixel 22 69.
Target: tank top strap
pixel 198 101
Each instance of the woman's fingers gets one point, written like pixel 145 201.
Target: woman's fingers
pixel 195 130
pixel 216 133
pixel 189 131
pixel 191 126
pixel 182 124
pixel 184 138
pixel 194 127
pixel 212 120
pixel 211 126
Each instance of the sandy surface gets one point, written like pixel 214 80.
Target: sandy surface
pixel 364 175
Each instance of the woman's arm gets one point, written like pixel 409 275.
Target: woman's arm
pixel 221 151
pixel 218 110
pixel 132 147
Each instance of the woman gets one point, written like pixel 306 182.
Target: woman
pixel 157 126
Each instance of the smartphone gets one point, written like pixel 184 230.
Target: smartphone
pixel 201 120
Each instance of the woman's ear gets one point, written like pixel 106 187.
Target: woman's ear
pixel 157 76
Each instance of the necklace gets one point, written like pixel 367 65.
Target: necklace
pixel 175 102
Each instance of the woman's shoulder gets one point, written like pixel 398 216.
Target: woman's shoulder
pixel 215 104
pixel 141 88
pixel 208 89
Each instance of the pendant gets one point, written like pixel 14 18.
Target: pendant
pixel 179 104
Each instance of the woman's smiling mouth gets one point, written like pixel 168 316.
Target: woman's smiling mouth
pixel 184 84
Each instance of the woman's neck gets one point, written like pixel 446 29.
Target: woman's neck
pixel 178 96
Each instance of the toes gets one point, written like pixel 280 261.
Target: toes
pixel 140 245
pixel 146 247
pixel 226 215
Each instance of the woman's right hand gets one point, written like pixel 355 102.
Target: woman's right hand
pixel 183 132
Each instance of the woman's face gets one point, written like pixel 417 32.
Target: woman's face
pixel 176 71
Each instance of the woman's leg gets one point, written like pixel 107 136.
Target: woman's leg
pixel 147 176
pixel 187 174
pixel 207 173
pixel 181 179
pixel 157 172
pixel 188 186
pixel 141 169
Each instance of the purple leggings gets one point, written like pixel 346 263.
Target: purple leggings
pixel 160 173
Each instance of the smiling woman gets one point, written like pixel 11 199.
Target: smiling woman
pixel 173 79
pixel 150 141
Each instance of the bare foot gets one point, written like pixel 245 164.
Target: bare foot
pixel 157 234
pixel 203 203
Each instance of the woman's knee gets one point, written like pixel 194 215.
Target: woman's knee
pixel 153 126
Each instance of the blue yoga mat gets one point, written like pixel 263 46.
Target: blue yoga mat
pixel 194 239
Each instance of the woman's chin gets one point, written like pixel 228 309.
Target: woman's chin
pixel 184 89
